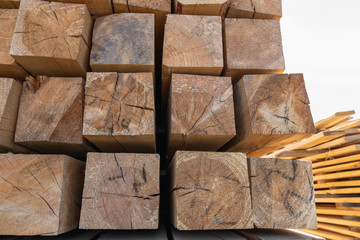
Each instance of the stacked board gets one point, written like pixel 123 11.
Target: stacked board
pixel 335 154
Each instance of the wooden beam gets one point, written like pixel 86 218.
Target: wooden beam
pixel 10 91
pixel 8 66
pixel 328 234
pixel 340 167
pixel 349 183
pixel 282 193
pixel 351 123
pixel 339 175
pixel 294 154
pixel 207 7
pixel 340 152
pixel 52 47
pixel 339 191
pixel 123 43
pixel 119 112
pixel 121 191
pixel 243 54
pixel 333 120
pixel 266 117
pixel 210 190
pixel 334 211
pixel 337 199
pixel 56 103
pixel 192 45
pixel 335 161
pixel 271 234
pixel 9 3
pixel 255 9
pixel 337 220
pixel 201 113
pixel 95 7
pixel 339 142
pixel 40 194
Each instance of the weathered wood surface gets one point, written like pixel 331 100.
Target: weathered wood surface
pixel 201 113
pixel 270 234
pixel 201 7
pixel 192 45
pixel 123 43
pixel 121 191
pixel 210 191
pixel 50 118
pixel 52 38
pixel 282 193
pixel 271 111
pixel 9 3
pixel 119 112
pixel 8 66
pixel 40 194
pixel 261 9
pixel 205 235
pixel 95 7
pixel 252 47
pixel 10 91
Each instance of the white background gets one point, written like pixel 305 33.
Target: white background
pixel 321 38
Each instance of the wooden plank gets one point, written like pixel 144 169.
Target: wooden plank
pixel 201 113
pixel 9 3
pixel 243 54
pixel 340 152
pixel 121 191
pixel 337 199
pixel 282 193
pixel 340 167
pixel 201 183
pixel 58 44
pixel 271 234
pixel 294 154
pixel 350 183
pixel 10 91
pixel 265 119
pixel 73 235
pixel 8 66
pixel 123 43
pixel 119 112
pixel 192 45
pixel 335 161
pixel 95 7
pixel 334 211
pixel 269 9
pixel 338 229
pixel 333 120
pixel 34 188
pixel 339 142
pixel 337 220
pixel 56 103
pixel 351 123
pixel 204 235
pixel 339 191
pixel 338 175
pixel 207 7
pixel 328 234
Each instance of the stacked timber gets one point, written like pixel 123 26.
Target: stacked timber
pixel 257 9
pixel 335 155
pixel 9 3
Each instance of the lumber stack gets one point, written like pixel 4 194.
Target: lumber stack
pixel 336 173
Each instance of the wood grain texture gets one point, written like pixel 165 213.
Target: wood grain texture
pixel 10 91
pixel 192 45
pixel 252 47
pixel 202 7
pixel 260 9
pixel 210 191
pixel 9 3
pixel 201 113
pixel 41 194
pixel 119 112
pixel 52 38
pixel 271 111
pixel 95 7
pixel 121 191
pixel 123 43
pixel 8 66
pixel 282 193
pixel 58 105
